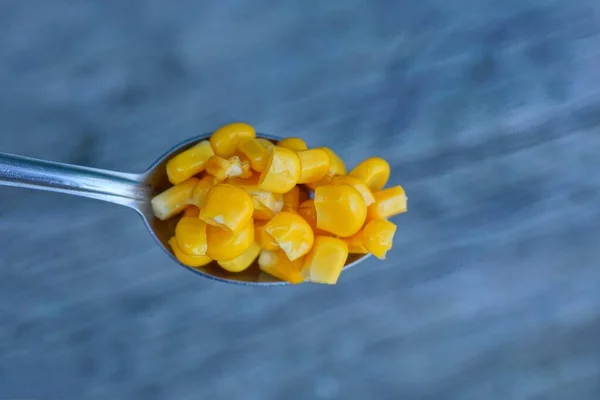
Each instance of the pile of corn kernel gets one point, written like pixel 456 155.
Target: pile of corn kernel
pixel 295 209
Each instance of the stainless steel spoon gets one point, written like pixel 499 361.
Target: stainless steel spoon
pixel 132 190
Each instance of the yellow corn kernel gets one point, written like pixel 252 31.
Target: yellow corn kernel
pixel 267 144
pixel 314 165
pixel 341 209
pixel 225 140
pixel 191 211
pixel 262 212
pixel 264 240
pixel 189 162
pixel 242 261
pixel 277 264
pixel 309 213
pixel 266 208
pixel 293 143
pixel 378 237
pixel 321 182
pixel 174 199
pixel 326 260
pixel 291 199
pixel 245 164
pixel 357 184
pixel 266 204
pixel 256 152
pixel 202 189
pixel 356 243
pixel 224 245
pixel 291 233
pixel 374 171
pixel 191 236
pixel 190 261
pixel 227 207
pixel 337 166
pixel 242 182
pixel 388 202
pixel 282 171
pixel 222 168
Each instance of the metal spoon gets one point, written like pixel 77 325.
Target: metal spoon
pixel 132 190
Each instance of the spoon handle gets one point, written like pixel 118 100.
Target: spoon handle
pixel 114 187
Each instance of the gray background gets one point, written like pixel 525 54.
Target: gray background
pixel 488 110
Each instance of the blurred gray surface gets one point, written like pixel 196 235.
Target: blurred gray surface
pixel 488 110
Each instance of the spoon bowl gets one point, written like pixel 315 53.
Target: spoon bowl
pixel 134 191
